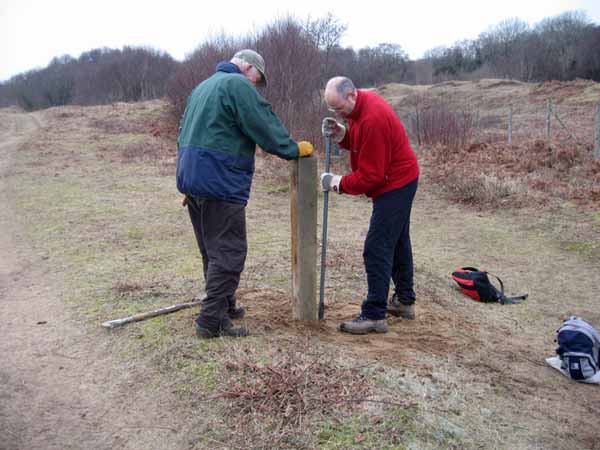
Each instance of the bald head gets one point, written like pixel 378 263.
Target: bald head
pixel 339 86
pixel 340 95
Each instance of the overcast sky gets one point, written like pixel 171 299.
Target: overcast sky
pixel 32 32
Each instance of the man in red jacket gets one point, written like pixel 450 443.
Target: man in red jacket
pixel 385 168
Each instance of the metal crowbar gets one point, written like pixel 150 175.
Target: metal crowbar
pixel 324 238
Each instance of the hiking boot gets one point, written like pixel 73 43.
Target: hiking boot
pixel 362 325
pixel 225 330
pixel 236 313
pixel 398 309
pixel 232 311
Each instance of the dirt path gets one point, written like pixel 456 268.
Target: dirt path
pixel 60 388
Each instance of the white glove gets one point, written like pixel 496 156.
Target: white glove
pixel 330 182
pixel 331 127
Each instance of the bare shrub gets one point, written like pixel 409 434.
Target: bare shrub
pixel 134 152
pixel 531 173
pixel 117 125
pixel 293 64
pixel 294 68
pixel 437 121
pixel 283 398
pixel 297 384
pixel 482 189
pixel 198 66
pixel 555 156
pixel 123 288
pixel 158 151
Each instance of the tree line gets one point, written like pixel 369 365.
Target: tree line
pixel 98 76
pixel 302 54
pixel 563 47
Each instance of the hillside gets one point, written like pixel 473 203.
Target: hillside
pixel 545 165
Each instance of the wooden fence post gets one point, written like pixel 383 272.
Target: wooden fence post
pixel 597 144
pixel 304 197
pixel 510 117
pixel 548 118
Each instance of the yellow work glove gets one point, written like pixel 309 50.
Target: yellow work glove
pixel 305 148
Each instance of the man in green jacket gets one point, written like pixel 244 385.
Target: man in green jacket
pixel 225 118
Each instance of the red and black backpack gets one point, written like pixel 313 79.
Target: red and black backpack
pixel 476 284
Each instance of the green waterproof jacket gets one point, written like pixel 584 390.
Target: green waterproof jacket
pixel 225 118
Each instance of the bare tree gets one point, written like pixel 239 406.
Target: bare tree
pixel 588 61
pixel 424 71
pixel 200 65
pixel 382 64
pixel 6 95
pixel 326 34
pixel 561 36
pixel 293 64
pixel 131 74
pixel 503 47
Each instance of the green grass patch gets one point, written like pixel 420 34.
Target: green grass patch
pixel 102 225
pixel 155 331
pixel 582 247
pixel 206 373
pixel 586 249
pixel 135 233
pixel 395 430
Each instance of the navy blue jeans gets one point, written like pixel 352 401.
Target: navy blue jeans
pixel 388 252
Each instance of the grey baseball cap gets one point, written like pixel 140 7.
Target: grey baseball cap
pixel 251 57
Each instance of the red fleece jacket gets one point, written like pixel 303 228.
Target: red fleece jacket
pixel 381 157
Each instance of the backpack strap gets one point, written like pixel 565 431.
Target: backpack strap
pixel 503 299
pixel 513 300
pixel 500 281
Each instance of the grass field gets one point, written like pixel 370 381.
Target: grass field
pixel 94 196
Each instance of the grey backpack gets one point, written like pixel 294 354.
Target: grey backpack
pixel 578 348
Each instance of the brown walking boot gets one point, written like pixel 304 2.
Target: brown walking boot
pixel 398 309
pixel 362 325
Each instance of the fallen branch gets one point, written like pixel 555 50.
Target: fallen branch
pixel 146 315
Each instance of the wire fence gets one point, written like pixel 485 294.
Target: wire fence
pixel 518 122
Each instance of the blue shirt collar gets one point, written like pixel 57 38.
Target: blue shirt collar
pixel 228 67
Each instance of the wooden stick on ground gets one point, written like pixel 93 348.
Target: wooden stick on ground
pixel 146 315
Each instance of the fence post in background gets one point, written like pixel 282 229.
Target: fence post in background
pixel 417 121
pixel 303 205
pixel 510 117
pixel 597 144
pixel 477 136
pixel 548 118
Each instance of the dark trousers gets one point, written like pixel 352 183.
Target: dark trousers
pixel 388 252
pixel 220 229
